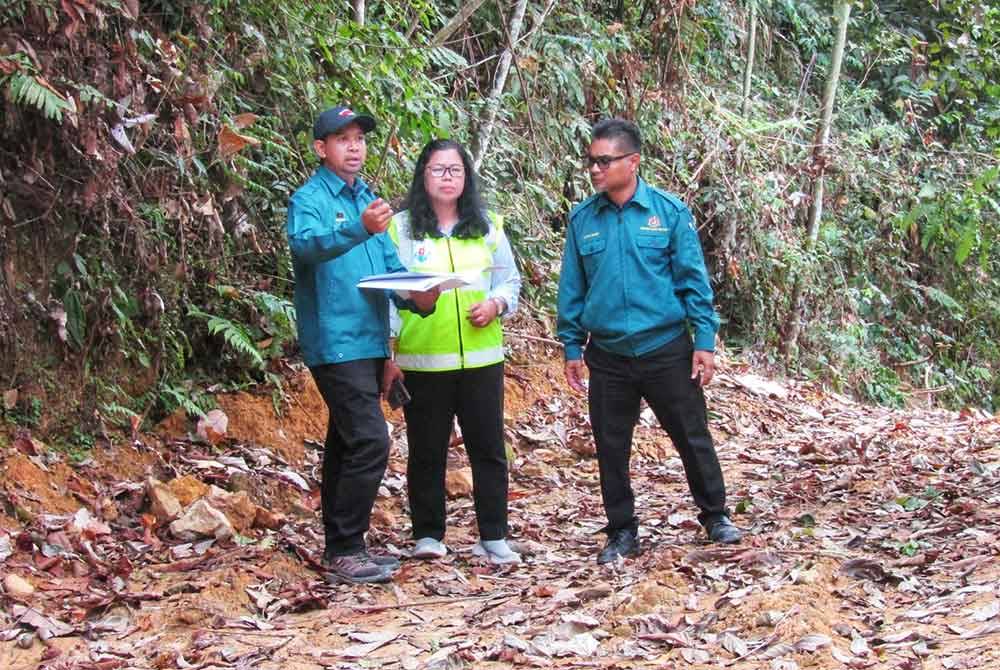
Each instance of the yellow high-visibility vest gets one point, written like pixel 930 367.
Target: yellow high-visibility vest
pixel 446 340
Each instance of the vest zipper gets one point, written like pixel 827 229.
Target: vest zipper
pixel 458 311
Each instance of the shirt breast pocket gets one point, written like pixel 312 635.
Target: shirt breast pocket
pixel 592 252
pixel 653 248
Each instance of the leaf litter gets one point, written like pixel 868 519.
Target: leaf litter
pixel 871 542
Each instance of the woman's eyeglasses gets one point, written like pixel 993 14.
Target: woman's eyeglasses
pixel 439 171
pixel 602 162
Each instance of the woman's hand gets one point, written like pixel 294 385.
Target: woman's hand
pixel 424 300
pixel 390 371
pixel 482 313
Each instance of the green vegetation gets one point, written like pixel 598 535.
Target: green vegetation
pixel 25 415
pixel 146 176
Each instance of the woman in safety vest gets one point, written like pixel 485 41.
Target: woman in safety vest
pixel 453 359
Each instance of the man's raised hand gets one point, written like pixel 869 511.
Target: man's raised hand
pixel 376 216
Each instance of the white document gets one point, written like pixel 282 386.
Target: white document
pixel 414 281
pixel 423 281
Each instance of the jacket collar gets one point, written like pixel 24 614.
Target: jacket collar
pixel 338 185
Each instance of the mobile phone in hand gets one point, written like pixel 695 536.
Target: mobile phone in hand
pixel 397 395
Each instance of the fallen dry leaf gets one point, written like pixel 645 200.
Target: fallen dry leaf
pixel 232 142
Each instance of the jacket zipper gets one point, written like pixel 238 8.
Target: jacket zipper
pixel 458 311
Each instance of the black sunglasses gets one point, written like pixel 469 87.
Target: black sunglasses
pixel 603 161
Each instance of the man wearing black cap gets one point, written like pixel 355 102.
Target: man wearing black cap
pixel 335 232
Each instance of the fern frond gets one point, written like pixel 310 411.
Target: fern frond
pixel 119 414
pixel 181 399
pixel 27 90
pixel 237 337
pixel 278 310
pixel 234 334
pixel 89 94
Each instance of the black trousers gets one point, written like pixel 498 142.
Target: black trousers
pixel 475 396
pixel 356 450
pixel 663 378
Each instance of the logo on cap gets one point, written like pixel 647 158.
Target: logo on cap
pixel 346 112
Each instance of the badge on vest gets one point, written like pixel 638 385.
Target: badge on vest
pixel 423 253
pixel 341 217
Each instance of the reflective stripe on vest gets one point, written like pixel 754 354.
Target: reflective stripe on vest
pixel 444 362
pixel 446 340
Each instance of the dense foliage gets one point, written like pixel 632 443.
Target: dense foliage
pixel 148 151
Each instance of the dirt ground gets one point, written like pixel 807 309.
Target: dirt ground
pixel 871 542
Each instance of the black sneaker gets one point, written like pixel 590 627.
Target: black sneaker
pixel 356 568
pixel 723 531
pixel 378 559
pixel 384 560
pixel 622 542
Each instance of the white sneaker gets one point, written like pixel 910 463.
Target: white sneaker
pixel 498 551
pixel 428 547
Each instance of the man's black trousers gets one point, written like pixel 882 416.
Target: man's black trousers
pixel 356 450
pixel 663 378
pixel 475 396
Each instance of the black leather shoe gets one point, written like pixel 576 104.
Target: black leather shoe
pixel 723 531
pixel 622 542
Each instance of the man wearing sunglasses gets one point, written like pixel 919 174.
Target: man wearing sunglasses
pixel 633 284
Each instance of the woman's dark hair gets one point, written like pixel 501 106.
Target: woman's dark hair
pixel 472 219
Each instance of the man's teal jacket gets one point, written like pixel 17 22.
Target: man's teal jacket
pixel 633 278
pixel 331 251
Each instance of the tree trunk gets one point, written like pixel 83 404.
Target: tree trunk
pixel 499 81
pixel 456 22
pixel 843 13
pixel 359 12
pixel 751 47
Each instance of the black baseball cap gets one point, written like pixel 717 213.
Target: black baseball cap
pixel 336 118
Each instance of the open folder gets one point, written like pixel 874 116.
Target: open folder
pixel 414 281
pixel 422 281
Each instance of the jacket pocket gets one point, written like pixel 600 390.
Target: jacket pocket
pixel 652 241
pixel 653 248
pixel 592 246
pixel 592 251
